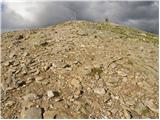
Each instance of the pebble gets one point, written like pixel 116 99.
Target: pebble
pixel 97 77
pixel 50 94
pixel 121 73
pixel 32 113
pixel 9 103
pixel 100 91
pixel 7 63
pixel 20 83
pixel 38 78
pixel 46 67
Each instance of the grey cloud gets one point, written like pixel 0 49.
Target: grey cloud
pixel 142 15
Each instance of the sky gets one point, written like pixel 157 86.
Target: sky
pixel 21 15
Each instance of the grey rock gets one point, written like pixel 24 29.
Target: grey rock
pixel 32 113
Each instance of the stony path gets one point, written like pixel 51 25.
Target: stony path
pixel 79 70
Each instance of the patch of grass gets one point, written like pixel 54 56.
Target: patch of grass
pixel 95 71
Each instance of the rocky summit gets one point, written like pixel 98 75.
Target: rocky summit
pixel 79 69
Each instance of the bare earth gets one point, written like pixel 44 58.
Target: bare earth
pixel 79 69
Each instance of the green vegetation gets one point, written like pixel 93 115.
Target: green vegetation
pixel 95 71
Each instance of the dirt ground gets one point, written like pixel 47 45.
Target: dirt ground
pixel 79 69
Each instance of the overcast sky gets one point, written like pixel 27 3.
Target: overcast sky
pixel 20 15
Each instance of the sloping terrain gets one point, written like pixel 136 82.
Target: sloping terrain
pixel 79 69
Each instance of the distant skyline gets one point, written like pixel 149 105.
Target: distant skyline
pixel 22 15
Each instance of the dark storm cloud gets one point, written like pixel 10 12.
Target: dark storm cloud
pixel 143 15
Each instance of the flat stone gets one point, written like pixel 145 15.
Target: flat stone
pixel 30 97
pixel 38 78
pixel 32 113
pixel 49 115
pixel 100 91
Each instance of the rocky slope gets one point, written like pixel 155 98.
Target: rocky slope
pixel 79 69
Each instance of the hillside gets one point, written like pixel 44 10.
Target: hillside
pixel 79 69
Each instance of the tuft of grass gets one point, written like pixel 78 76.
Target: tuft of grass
pixel 95 71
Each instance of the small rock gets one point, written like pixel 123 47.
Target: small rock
pixel 9 103
pixel 127 114
pixel 20 83
pixel 107 97
pixel 16 62
pixel 38 78
pixel 121 73
pixel 7 63
pixel 49 115
pixel 76 62
pixel 46 67
pixel 30 97
pixel 30 79
pixel 58 99
pixel 50 94
pixel 66 66
pixel 37 72
pixel 100 91
pixel 12 55
pixel 97 77
pixel 78 93
pixel 32 113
